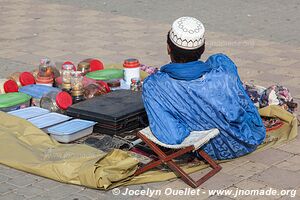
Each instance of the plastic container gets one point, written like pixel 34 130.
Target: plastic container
pixel 56 101
pixel 106 74
pixel 29 112
pixel 37 92
pixel 71 130
pixel 47 120
pixel 131 70
pixel 22 78
pixel 14 101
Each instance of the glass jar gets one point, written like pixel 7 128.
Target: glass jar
pixel 83 67
pixel 93 90
pixel 77 86
pixel 45 68
pixel 56 101
pixel 77 81
pixel 66 76
pixel 22 78
pixel 114 84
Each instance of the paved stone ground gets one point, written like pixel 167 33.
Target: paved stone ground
pixel 30 30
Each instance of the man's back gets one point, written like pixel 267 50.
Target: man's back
pixel 178 103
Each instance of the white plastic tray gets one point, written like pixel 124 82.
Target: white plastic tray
pixel 49 119
pixel 29 112
pixel 71 130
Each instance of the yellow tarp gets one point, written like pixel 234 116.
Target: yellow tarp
pixel 24 147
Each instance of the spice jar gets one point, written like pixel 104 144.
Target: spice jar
pixel 22 78
pixel 66 76
pixel 77 86
pixel 136 84
pixel 93 90
pixel 56 101
pixel 83 67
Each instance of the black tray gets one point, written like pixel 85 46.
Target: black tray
pixel 115 112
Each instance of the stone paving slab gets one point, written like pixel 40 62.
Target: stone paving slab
pixel 30 31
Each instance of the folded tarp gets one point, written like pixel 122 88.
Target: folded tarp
pixel 27 148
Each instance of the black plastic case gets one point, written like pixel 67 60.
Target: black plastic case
pixel 115 112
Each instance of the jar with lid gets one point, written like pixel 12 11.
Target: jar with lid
pixel 68 63
pixel 83 67
pixel 93 90
pixel 114 84
pixel 22 78
pixel 66 76
pixel 77 86
pixel 136 84
pixel 8 86
pixel 45 68
pixel 56 101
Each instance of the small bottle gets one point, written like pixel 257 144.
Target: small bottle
pixel 136 84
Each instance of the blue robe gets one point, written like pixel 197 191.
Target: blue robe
pixel 197 96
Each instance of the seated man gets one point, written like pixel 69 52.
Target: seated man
pixel 190 95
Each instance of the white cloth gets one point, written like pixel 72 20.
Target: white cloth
pixel 196 138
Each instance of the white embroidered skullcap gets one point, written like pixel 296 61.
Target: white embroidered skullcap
pixel 187 33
